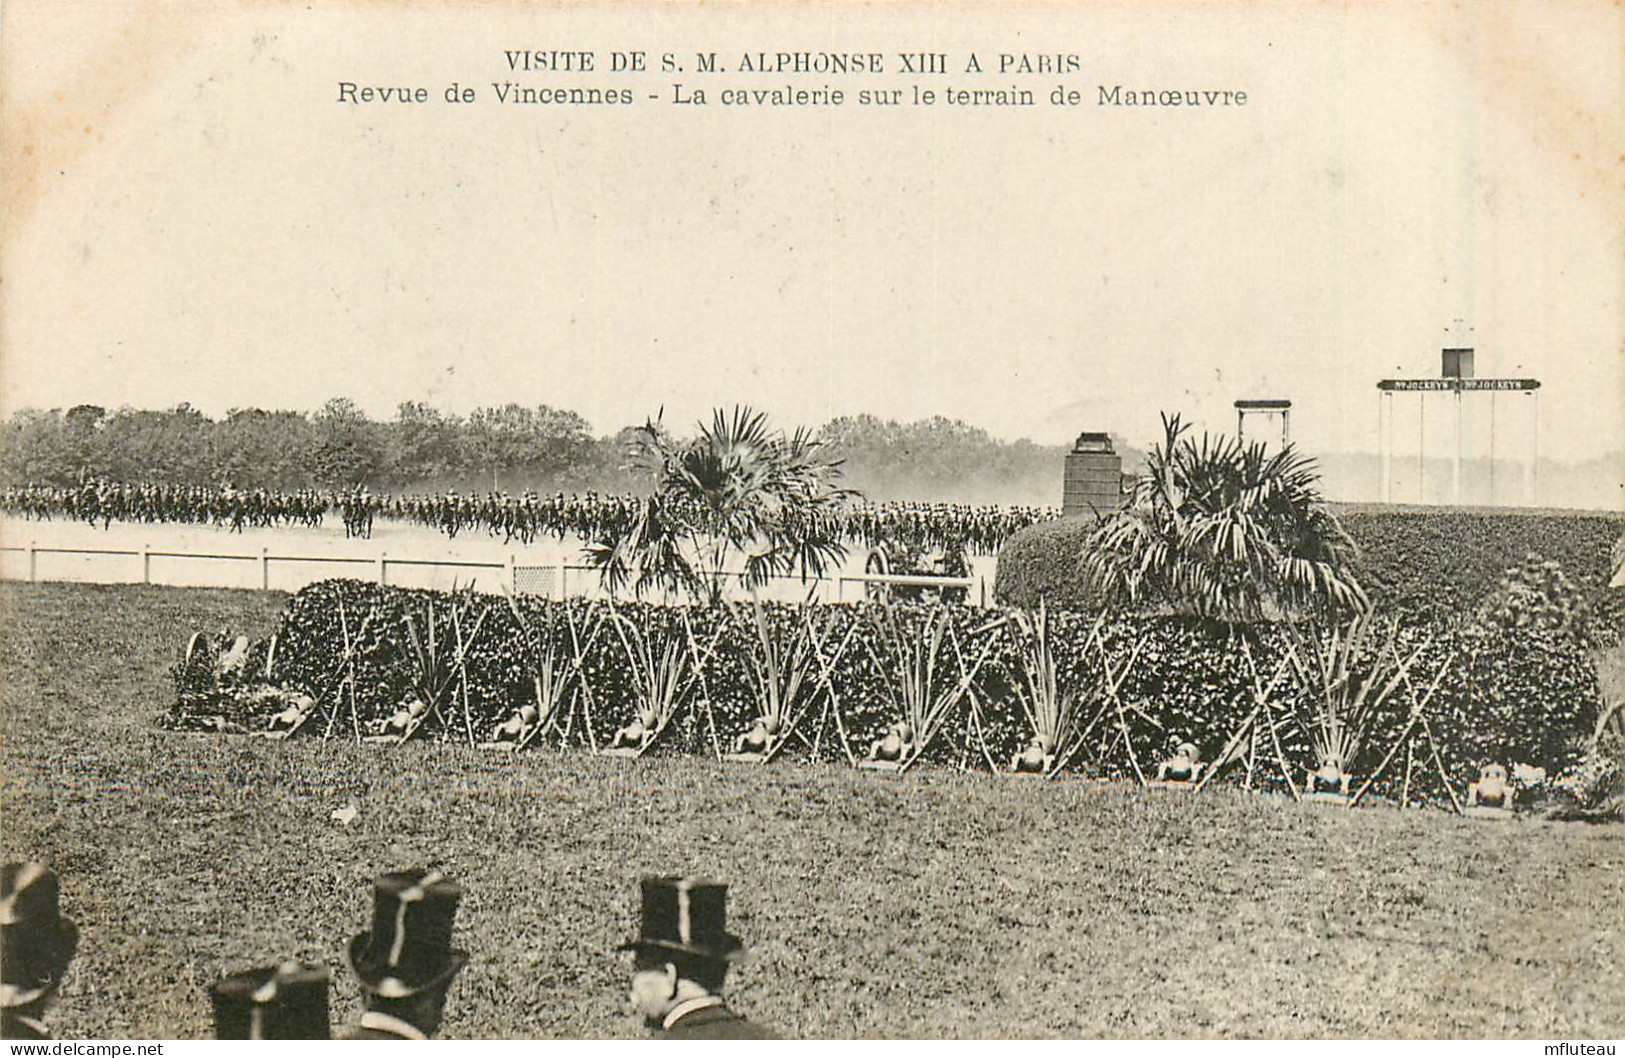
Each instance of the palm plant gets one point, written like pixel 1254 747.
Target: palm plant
pixel 1349 682
pixel 1053 713
pixel 551 675
pixel 782 670
pixel 922 695
pixel 738 499
pixel 435 656
pixel 1226 531
pixel 662 668
pixel 584 623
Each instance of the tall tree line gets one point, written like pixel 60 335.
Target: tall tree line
pixel 513 447
pixel 336 446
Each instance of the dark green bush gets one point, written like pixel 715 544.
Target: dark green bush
pixel 1429 565
pixel 1443 564
pixel 1510 695
pixel 1043 563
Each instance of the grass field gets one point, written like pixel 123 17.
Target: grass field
pixel 938 904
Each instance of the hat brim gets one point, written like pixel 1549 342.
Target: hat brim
pixel 380 982
pixel 62 952
pixel 732 949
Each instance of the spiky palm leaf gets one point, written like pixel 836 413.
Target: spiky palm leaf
pixel 1225 531
pixel 1055 714
pixel 661 667
pixel 1348 672
pixel 435 656
pixel 737 500
pixel 782 669
pixel 550 670
pixel 909 664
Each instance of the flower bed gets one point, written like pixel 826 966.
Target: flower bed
pixel 361 650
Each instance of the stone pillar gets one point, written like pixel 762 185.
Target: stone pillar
pixel 1094 476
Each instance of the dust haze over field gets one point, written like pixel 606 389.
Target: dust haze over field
pixel 1595 484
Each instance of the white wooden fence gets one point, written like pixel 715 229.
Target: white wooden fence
pixel 557 580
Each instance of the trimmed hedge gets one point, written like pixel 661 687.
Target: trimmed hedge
pixel 1044 564
pixel 1436 564
pixel 1525 697
pixel 1430 565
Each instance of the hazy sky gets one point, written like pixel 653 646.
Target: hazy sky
pixel 191 216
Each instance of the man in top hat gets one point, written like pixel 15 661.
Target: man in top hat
pixel 682 953
pixel 286 1002
pixel 406 961
pixel 36 945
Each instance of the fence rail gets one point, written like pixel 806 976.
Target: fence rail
pixel 381 563
pixel 552 580
pixel 914 580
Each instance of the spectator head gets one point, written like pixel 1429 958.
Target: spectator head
pixel 683 949
pixel 36 942
pixel 286 1002
pixel 406 962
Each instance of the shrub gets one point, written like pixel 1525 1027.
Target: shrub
pixel 1537 594
pixel 1509 695
pixel 1226 530
pixel 1431 566
pixel 1596 784
pixel 1442 564
pixel 1044 564
pixel 1526 696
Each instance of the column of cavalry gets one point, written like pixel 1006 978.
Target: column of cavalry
pixel 524 517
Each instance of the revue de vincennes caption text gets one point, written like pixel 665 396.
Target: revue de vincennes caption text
pixel 760 79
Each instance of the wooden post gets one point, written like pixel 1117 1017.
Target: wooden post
pixel 146 563
pixel 513 575
pixel 33 561
pixel 1528 466
pixel 1421 447
pixel 1455 466
pixel 562 594
pixel 383 567
pixel 1534 456
pixel 265 569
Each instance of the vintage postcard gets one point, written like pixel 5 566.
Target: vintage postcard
pixel 1064 520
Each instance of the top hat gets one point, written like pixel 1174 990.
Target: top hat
pixel 36 942
pixel 408 950
pixel 686 915
pixel 287 1002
